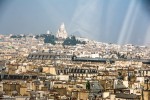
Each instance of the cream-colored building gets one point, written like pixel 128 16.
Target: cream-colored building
pixel 61 33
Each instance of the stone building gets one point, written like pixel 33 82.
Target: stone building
pixel 61 33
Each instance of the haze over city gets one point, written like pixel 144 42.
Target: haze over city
pixel 111 21
pixel 74 50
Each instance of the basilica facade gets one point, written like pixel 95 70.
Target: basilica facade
pixel 61 33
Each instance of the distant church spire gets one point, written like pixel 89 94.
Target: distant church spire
pixel 61 33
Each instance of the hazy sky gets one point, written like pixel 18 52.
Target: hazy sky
pixel 112 21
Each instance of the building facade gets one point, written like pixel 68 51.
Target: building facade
pixel 62 33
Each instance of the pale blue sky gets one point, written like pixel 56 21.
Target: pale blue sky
pixel 112 21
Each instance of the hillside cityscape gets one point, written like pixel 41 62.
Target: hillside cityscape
pixel 61 67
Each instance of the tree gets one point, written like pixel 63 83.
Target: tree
pixel 72 41
pixel 88 85
pixel 16 36
pixel 48 38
